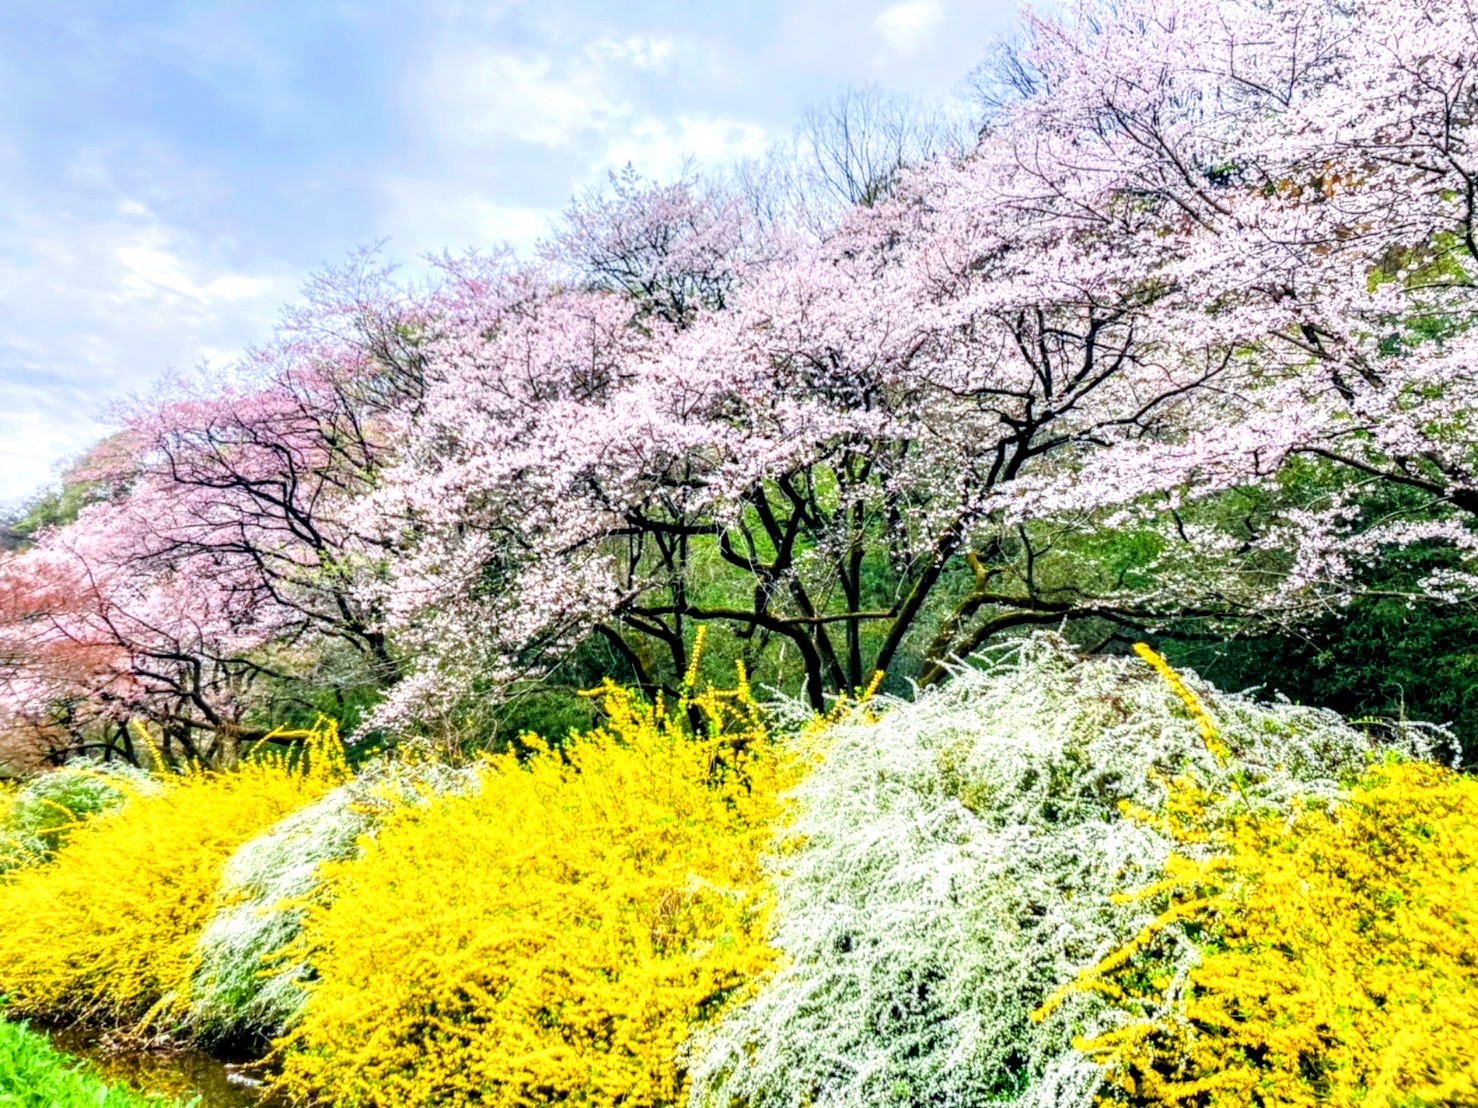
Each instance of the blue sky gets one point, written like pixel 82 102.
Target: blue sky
pixel 170 171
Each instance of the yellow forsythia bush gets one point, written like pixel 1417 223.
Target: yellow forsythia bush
pixel 1338 957
pixel 554 935
pixel 106 930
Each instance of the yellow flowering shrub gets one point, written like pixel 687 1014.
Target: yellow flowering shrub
pixel 107 929
pixel 553 935
pixel 1338 956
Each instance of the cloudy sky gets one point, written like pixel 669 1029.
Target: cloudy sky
pixel 170 170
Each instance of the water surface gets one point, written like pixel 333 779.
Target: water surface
pixel 175 1071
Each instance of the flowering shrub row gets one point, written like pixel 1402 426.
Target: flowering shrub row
pixel 549 923
pixel 1050 882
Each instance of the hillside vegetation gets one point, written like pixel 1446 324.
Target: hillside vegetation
pixel 994 627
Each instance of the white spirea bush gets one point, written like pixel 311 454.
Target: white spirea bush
pixel 247 980
pixel 51 805
pixel 950 865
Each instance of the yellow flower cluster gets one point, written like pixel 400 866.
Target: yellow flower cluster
pixel 1193 706
pixel 553 936
pixel 106 929
pixel 1339 959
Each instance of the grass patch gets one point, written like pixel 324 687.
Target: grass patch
pixel 35 1075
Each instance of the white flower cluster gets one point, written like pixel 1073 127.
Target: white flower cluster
pixel 951 865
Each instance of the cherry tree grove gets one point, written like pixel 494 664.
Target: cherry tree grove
pixel 1072 374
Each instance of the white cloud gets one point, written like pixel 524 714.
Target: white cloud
pixel 908 27
pixel 639 51
pixel 149 270
pixel 35 441
pixel 556 95
pixel 236 286
pixel 96 302
pixel 512 134
pixel 658 148
pixel 476 94
pixel 425 215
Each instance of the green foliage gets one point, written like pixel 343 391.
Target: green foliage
pixel 56 507
pixel 303 683
pixel 34 1075
pixel 1383 656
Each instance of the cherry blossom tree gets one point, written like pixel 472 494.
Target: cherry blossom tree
pixel 1304 180
pixel 814 462
pixel 1205 239
pixel 672 249
pixel 225 559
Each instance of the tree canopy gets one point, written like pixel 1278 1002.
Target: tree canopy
pixel 1181 343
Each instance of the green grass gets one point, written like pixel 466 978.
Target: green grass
pixel 34 1075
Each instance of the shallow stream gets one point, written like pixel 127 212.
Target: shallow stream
pixel 177 1072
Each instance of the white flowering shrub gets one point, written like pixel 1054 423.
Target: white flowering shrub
pixel 248 980
pixel 44 811
pixel 950 865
